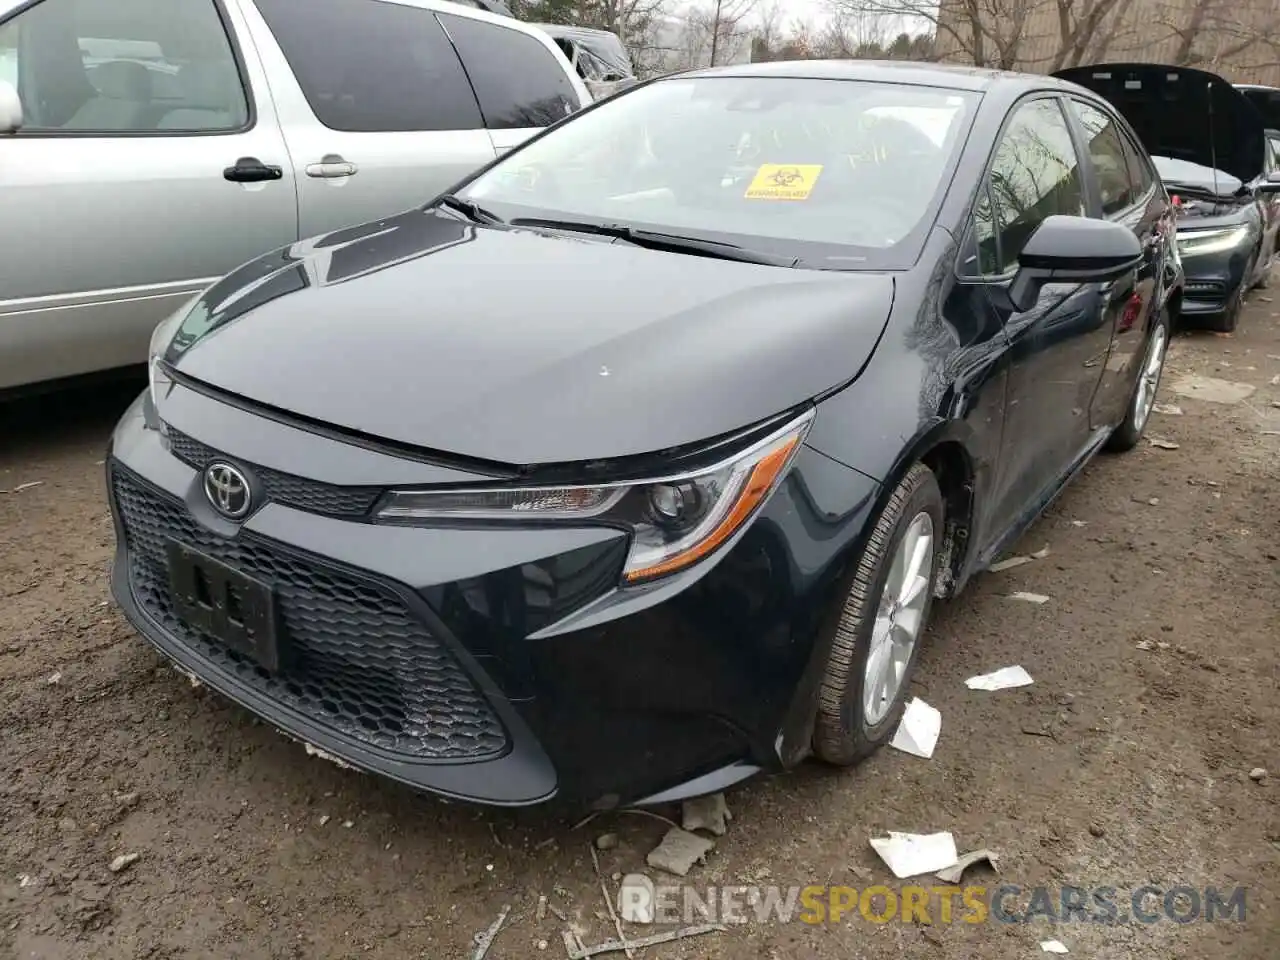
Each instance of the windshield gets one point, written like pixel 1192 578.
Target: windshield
pixel 838 174
pixel 1190 174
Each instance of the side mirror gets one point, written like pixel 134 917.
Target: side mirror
pixel 1270 185
pixel 10 108
pixel 1072 250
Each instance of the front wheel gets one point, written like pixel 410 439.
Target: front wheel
pixel 873 653
pixel 1129 432
pixel 1229 318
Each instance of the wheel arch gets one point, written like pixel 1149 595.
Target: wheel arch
pixel 947 448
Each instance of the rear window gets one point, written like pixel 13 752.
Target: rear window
pixel 517 80
pixel 373 67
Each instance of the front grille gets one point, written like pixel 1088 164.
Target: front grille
pixel 358 660
pixel 285 488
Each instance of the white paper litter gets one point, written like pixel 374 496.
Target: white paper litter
pixel 1002 679
pixel 1161 444
pixel 1053 946
pixel 1029 597
pixel 917 734
pixel 911 854
pixel 1040 554
pixel 1169 409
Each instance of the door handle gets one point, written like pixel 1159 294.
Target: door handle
pixel 331 167
pixel 251 170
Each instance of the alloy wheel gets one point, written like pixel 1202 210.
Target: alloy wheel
pixel 899 619
pixel 1149 377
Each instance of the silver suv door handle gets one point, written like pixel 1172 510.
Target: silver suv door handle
pixel 331 167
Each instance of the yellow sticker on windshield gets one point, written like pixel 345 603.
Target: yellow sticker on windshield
pixel 783 181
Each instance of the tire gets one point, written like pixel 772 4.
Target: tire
pixel 1129 432
pixel 844 733
pixel 1228 319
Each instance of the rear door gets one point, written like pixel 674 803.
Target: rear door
pixel 115 203
pixel 1128 194
pixel 376 108
pixel 521 79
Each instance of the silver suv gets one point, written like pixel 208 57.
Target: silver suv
pixel 148 147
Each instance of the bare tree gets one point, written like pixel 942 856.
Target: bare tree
pixel 1214 33
pixel 1006 34
pixel 1087 29
pixel 726 23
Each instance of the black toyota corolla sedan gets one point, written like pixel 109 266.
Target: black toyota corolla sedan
pixel 631 466
pixel 1209 143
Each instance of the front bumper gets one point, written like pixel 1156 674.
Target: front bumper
pixel 496 665
pixel 1213 280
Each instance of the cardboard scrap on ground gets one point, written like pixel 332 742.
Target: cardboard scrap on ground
pixel 1008 564
pixel 952 874
pixel 1003 679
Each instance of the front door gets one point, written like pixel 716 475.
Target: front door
pixel 376 107
pixel 1058 348
pixel 123 194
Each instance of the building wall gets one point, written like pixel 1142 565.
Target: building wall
pixel 1139 35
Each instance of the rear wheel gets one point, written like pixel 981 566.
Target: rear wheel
pixel 1129 432
pixel 873 653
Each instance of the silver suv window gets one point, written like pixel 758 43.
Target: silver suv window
pixel 517 80
pixel 394 68
pixel 127 67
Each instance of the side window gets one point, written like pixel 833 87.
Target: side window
pixel 1140 173
pixel 1106 151
pixel 1275 151
pixel 135 67
pixel 984 236
pixel 9 53
pixel 373 67
pixel 517 80
pixel 1035 174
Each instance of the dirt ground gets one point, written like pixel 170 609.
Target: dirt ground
pixel 1156 663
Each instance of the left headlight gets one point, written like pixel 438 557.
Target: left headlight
pixel 1214 240
pixel 674 521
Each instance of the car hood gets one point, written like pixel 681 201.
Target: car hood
pixel 1266 100
pixel 1181 113
pixel 520 347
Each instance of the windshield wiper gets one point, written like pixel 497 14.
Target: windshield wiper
pixel 656 240
pixel 470 208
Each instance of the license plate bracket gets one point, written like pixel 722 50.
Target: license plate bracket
pixel 225 604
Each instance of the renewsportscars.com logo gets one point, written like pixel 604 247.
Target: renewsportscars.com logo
pixel 642 901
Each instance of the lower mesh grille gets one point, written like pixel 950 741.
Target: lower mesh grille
pixel 359 662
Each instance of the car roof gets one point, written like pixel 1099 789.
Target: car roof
pixel 955 76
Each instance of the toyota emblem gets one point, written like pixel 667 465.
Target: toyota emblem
pixel 227 489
